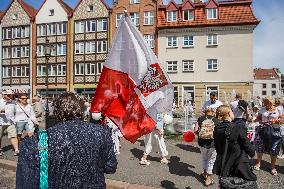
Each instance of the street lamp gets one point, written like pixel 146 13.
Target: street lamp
pixel 47 54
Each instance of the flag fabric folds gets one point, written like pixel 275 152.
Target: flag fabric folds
pixel 133 87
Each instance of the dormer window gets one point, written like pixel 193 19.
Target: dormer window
pixel 90 8
pixel 15 16
pixel 188 15
pixel 51 12
pixel 134 1
pixel 172 16
pixel 212 13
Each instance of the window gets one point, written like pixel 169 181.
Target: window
pixel 90 8
pixel 8 33
pixel 51 29
pixel 41 30
pixel 79 27
pixel 25 71
pixel 264 86
pixel 90 47
pixel 176 101
pixel 171 66
pixel 212 40
pixel 118 18
pixel 172 16
pixel 102 25
pixel 51 12
pixel 188 41
pixel 25 32
pixel 90 26
pixel 16 52
pixel 16 71
pixel 212 13
pixel 79 48
pixel 212 65
pixel 263 93
pixel 99 68
pixel 101 46
pixel 134 1
pixel 15 16
pixel 61 49
pixel 41 70
pixel 40 50
pixel 273 93
pixel 26 51
pixel 61 29
pixel 273 85
pixel 52 70
pixel 16 33
pixel 61 70
pixel 148 18
pixel 6 53
pixel 135 18
pixel 188 15
pixel 79 69
pixel 90 69
pixel 172 41
pixel 149 39
pixel 187 65
pixel 6 71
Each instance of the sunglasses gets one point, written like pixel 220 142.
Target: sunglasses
pixel 24 98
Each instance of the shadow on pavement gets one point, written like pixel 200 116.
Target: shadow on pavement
pixel 189 148
pixel 142 143
pixel 266 166
pixel 168 184
pixel 7 148
pixel 182 169
pixel 137 153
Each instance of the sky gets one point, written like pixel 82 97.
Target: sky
pixel 268 48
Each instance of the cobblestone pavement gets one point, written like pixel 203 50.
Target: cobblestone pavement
pixel 181 173
pixel 7 179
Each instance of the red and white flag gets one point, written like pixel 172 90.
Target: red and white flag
pixel 133 87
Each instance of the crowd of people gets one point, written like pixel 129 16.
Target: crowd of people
pixel 228 136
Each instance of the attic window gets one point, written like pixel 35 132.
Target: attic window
pixel 212 13
pixel 188 15
pixel 15 16
pixel 51 12
pixel 90 8
pixel 172 16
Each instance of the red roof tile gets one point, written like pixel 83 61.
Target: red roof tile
pixel 1 14
pixel 265 73
pixel 238 12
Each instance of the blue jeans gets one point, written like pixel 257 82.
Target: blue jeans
pixel 22 126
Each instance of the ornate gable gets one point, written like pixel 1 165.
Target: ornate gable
pixel 172 6
pixel 187 5
pixel 81 11
pixel 22 18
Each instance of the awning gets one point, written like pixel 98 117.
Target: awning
pixel 17 90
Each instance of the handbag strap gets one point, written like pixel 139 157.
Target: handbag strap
pixel 43 158
pixel 27 114
pixel 227 133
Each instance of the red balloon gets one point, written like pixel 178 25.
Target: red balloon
pixel 188 136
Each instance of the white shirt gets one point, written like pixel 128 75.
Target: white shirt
pixel 208 104
pixel 7 118
pixel 20 115
pixel 280 109
pixel 238 113
pixel 268 116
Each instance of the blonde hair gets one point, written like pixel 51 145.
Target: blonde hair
pixel 269 99
pixel 209 111
pixel 223 112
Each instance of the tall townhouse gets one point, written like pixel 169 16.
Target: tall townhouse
pixel 53 30
pixel 143 13
pixel 206 47
pixel 16 59
pixel 90 43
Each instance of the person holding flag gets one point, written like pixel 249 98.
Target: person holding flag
pixel 133 88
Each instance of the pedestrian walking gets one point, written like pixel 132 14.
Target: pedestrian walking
pixel 212 102
pixel 204 128
pixel 158 135
pixel 79 153
pixel 7 108
pixel 39 112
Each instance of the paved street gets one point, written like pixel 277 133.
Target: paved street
pixel 181 173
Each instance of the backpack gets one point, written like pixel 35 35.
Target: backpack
pixel 206 129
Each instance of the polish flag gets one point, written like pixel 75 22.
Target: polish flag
pixel 133 88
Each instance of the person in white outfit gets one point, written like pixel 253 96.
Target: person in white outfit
pixel 212 103
pixel 115 135
pixel 158 135
pixel 25 117
pixel 7 107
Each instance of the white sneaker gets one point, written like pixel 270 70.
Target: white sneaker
pixel 164 161
pixel 144 162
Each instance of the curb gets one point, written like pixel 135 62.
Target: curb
pixel 110 184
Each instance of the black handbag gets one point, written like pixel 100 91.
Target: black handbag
pixel 229 182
